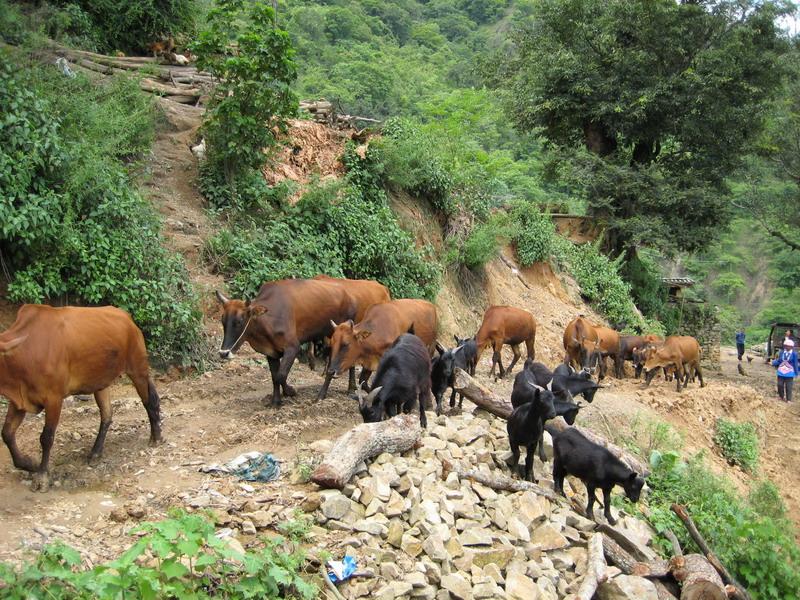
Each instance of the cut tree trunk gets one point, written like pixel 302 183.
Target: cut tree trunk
pixel 595 568
pixel 491 402
pixel 363 442
pixel 699 579
pixel 500 482
pixel 740 593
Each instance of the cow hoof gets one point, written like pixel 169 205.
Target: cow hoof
pixel 94 459
pixel 40 482
pixel 155 442
pixel 289 391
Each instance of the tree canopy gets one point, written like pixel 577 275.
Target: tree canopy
pixel 648 105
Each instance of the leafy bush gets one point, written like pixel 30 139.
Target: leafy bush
pixel 410 160
pixel 251 58
pixel 738 442
pixel 484 241
pixel 72 225
pixel 765 499
pixel 179 557
pixel 759 549
pixel 334 229
pixel 534 233
pixel 644 276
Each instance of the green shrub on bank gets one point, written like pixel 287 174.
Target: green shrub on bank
pixel 179 557
pixel 534 233
pixel 738 442
pixel 485 241
pixel 756 544
pixel 72 225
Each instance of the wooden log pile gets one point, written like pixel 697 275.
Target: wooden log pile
pixel 183 84
pixel 323 111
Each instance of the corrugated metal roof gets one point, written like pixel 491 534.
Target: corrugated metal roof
pixel 678 281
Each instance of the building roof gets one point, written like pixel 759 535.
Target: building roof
pixel 678 281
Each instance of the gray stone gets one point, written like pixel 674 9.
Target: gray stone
pixel 627 587
pixel 520 587
pixel 390 571
pixel 395 589
pixel 248 528
pixel 533 508
pixel 336 506
pixel 434 548
pixel 371 526
pixel 493 571
pixel 548 537
pixel 394 535
pixel 486 589
pixel 416 579
pixel 411 545
pixel 475 537
pixel 458 586
pixel 518 530
pixel 425 593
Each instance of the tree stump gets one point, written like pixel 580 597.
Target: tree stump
pixel 363 442
pixel 699 579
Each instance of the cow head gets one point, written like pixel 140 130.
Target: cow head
pixel 236 318
pixel 370 405
pixel 346 346
pixel 633 486
pixel 589 355
pixel 654 358
pixel 543 402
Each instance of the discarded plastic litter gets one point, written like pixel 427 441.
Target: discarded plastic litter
pixel 251 466
pixel 341 570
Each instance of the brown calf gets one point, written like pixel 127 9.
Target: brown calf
pixel 681 351
pixel 609 345
pixel 50 353
pixel 506 325
pixel 364 343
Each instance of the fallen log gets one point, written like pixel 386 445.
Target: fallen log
pixel 500 482
pixel 363 442
pixel 489 401
pixel 631 547
pixel 699 579
pixel 595 568
pixel 626 563
pixel 740 593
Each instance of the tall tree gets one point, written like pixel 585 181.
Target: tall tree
pixel 648 105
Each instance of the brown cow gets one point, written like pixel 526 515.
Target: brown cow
pixel 50 353
pixel 630 347
pixel 681 351
pixel 282 316
pixel 365 293
pixel 506 325
pixel 609 345
pixel 582 344
pixel 364 343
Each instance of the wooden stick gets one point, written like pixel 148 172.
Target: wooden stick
pixel 489 401
pixel 329 584
pixel 683 514
pixel 630 546
pixel 676 545
pixel 363 442
pixel 596 568
pixel 500 482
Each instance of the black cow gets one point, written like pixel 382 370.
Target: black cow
pixel 579 383
pixel 595 466
pixel 525 425
pixel 402 378
pixel 469 348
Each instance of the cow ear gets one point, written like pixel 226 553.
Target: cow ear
pixel 222 299
pixel 455 337
pixel 350 323
pixel 256 310
pixel 363 334
pixel 632 477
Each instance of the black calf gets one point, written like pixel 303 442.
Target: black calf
pixel 525 427
pixel 595 466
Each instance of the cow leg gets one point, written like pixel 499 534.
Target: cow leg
pixel 699 375
pixel 52 413
pixel 312 359
pixel 363 376
pixel 287 361
pixel 497 358
pixel 274 366
pixel 590 502
pixel 638 371
pixel 424 393
pixel 648 377
pixel 540 444
pixel 513 461
pixel 323 391
pixel 151 402
pixel 530 347
pixel 103 399
pixel 14 418
pixel 607 508
pixel 619 366
pixel 453 399
pixel 680 373
pixel 517 354
pixel 531 450
pixel 351 380
pixel 558 475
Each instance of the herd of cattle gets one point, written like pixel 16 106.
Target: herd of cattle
pixel 51 353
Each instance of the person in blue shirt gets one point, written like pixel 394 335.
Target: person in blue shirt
pixel 740 344
pixel 788 369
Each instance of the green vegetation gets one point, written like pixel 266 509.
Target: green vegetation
pixel 252 61
pixel 646 130
pixel 341 229
pixel 179 557
pixel 738 442
pixel 73 225
pixel 534 233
